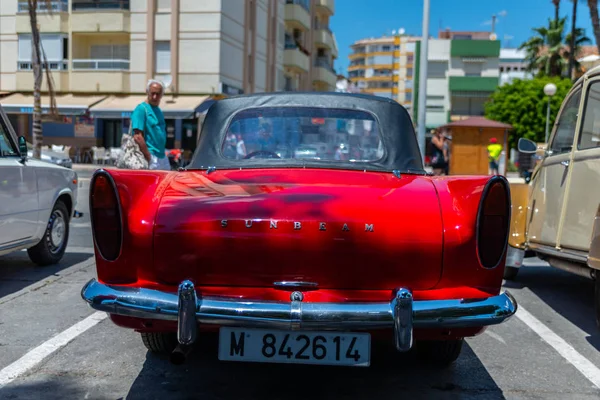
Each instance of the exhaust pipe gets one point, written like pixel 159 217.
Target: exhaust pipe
pixel 577 269
pixel 180 354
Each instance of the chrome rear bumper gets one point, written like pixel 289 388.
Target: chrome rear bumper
pixel 402 313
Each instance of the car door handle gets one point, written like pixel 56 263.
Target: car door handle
pixel 565 163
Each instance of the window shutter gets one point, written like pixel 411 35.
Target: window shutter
pixel 163 57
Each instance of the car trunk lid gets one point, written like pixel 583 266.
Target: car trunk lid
pixel 334 229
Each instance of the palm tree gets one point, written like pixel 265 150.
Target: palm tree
pixel 546 51
pixel 556 9
pixel 36 60
pixel 593 6
pixel 571 40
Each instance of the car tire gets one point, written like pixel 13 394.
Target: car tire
pixel 52 246
pixel 597 298
pixel 159 342
pixel 440 352
pixel 510 273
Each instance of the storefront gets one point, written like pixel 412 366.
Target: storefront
pixel 182 116
pixel 72 127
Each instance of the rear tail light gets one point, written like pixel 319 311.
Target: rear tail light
pixel 105 210
pixel 493 222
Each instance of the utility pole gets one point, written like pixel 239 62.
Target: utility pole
pixel 493 23
pixel 423 81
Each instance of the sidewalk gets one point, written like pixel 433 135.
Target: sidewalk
pixel 91 167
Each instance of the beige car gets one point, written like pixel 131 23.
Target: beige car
pixel 562 224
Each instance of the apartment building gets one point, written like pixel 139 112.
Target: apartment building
pixel 462 72
pixel 102 52
pixel 513 65
pixel 310 46
pixel 384 67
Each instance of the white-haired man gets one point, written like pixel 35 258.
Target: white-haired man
pixel 149 127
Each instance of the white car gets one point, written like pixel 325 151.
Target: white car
pixel 37 201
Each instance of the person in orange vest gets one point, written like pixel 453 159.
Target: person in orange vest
pixel 494 149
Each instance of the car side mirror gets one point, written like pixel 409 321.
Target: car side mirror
pixel 527 146
pixel 23 147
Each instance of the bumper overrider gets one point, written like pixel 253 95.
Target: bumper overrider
pixel 402 312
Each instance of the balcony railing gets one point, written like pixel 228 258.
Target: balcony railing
pixel 54 65
pixel 100 65
pixel 42 6
pixel 100 5
pixel 324 63
pixel 291 43
pixel 304 3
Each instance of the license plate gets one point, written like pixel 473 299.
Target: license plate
pixel 297 347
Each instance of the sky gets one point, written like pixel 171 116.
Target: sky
pixel 357 19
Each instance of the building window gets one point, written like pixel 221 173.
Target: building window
pixel 55 47
pixel 162 5
pixel 385 48
pixel 409 72
pixel 163 57
pixel 408 96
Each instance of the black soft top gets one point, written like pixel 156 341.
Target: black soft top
pixel 401 150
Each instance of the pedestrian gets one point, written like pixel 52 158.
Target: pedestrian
pixel 149 127
pixel 438 162
pixel 446 150
pixel 494 150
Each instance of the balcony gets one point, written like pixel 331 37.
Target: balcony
pixel 53 19
pixel 297 14
pixel 101 76
pixel 324 37
pixel 108 16
pixel 58 70
pixel 326 6
pixel 294 57
pixel 324 72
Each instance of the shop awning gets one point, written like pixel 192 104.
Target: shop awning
pixel 67 104
pixel 180 107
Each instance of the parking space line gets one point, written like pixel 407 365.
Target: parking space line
pixel 585 366
pixel 37 355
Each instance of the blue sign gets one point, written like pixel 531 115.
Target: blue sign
pixel 126 114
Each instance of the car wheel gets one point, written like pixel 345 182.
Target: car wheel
pixel 510 273
pixel 159 342
pixel 440 352
pixel 51 248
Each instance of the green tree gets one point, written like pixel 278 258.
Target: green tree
pixel 523 103
pixel 548 50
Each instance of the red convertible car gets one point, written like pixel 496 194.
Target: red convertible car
pixel 304 227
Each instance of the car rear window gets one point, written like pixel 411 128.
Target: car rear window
pixel 303 133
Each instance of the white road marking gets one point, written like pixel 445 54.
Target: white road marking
pixel 37 355
pixel 585 366
pixel 495 336
pixel 80 224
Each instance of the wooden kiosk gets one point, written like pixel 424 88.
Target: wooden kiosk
pixel 470 138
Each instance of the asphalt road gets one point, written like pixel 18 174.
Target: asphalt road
pixel 59 348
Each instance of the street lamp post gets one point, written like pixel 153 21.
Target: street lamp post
pixel 549 90
pixel 422 103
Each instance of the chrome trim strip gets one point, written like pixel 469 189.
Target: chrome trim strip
pixel 572 255
pixel 295 284
pixel 402 313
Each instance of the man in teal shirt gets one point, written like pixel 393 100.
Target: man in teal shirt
pixel 149 127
